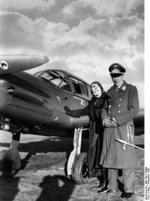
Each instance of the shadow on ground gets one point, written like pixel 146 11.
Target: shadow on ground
pixel 56 187
pixel 8 188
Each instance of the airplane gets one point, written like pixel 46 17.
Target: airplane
pixel 34 103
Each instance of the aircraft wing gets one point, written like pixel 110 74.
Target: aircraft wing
pixel 17 63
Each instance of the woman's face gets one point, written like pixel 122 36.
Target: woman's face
pixel 96 90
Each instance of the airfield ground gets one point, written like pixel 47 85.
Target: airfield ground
pixel 42 176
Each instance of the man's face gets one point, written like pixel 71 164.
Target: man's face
pixel 117 79
pixel 96 90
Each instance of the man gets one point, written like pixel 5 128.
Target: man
pixel 117 115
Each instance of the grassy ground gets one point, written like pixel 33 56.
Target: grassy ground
pixel 42 176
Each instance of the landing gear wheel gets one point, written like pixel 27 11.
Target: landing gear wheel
pixel 80 169
pixel 10 162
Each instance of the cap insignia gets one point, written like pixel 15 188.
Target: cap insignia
pixel 115 71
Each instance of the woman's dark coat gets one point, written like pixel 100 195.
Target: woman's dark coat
pixel 93 110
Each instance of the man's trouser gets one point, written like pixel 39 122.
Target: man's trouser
pixel 128 177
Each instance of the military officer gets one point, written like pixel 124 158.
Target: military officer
pixel 117 116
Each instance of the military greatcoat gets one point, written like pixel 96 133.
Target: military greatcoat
pixel 123 105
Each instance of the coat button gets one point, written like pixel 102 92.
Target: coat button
pixel 120 99
pixel 119 105
pixel 118 111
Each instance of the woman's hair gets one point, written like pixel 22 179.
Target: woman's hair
pixel 98 83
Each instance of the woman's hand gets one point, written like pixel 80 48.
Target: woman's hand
pixel 113 122
pixel 107 123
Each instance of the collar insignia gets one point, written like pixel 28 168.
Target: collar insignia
pixel 123 88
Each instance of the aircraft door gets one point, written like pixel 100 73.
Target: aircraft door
pixel 72 95
pixel 80 93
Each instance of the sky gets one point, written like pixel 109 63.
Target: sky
pixel 83 37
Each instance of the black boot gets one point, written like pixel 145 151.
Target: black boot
pixel 103 181
pixel 127 194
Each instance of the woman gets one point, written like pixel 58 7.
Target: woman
pixel 93 110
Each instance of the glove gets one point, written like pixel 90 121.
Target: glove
pixel 67 109
pixel 107 123
pixel 113 122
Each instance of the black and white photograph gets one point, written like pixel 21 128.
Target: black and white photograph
pixel 72 100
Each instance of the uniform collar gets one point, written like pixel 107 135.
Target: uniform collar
pixel 122 89
pixel 123 86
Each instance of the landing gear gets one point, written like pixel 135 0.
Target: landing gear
pixel 80 169
pixel 77 167
pixel 10 160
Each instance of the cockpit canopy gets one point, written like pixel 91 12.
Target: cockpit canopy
pixel 65 81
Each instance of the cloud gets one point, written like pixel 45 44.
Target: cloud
pixel 135 69
pixel 100 41
pixel 103 7
pixel 89 47
pixel 26 4
pixel 20 32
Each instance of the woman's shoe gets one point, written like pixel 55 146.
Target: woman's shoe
pixel 101 185
pixel 103 189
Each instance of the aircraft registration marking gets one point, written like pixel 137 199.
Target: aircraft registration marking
pixel 4 65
